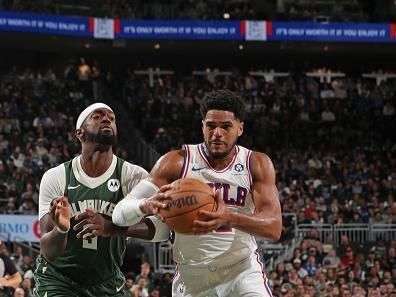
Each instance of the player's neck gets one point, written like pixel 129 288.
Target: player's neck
pixel 96 162
pixel 220 163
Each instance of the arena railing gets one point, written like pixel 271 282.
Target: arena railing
pixel 358 233
pixel 33 251
pixel 144 152
pixel 325 231
pixel 385 232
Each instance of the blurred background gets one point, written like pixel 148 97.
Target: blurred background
pixel 319 81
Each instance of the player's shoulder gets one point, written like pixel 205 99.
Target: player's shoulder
pixel 172 156
pixel 260 161
pixel 169 165
pixel 260 156
pixel 53 178
pixel 54 172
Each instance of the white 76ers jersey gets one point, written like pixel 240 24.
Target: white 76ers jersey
pixel 226 245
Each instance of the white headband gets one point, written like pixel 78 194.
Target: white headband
pixel 86 112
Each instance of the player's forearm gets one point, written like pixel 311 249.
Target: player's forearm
pixel 143 230
pixel 140 230
pixel 268 227
pixel 53 244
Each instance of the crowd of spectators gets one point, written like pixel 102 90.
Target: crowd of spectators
pixel 302 10
pixel 324 270
pixel 315 269
pixel 148 9
pixel 323 11
pixel 332 144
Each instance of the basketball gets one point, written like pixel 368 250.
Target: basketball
pixel 188 196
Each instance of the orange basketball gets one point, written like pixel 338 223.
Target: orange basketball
pixel 188 196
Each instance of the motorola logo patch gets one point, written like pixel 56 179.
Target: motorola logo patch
pixel 113 185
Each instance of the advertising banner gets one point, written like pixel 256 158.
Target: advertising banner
pixel 44 24
pixel 237 30
pixel 341 32
pixel 187 30
pixel 20 227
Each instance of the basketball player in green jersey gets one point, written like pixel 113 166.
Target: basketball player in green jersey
pixel 94 181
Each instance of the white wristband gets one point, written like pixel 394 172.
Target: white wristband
pixel 61 231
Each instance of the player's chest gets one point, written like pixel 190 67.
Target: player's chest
pixel 101 199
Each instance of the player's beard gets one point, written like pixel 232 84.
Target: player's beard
pixel 221 155
pixel 101 138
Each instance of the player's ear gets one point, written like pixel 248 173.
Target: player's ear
pixel 79 133
pixel 240 129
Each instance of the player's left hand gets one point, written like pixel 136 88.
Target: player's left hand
pixel 92 224
pixel 209 221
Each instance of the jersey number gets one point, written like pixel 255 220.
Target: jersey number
pixel 91 244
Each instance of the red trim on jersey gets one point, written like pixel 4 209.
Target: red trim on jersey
pixel 176 272
pixel 248 161
pixel 204 157
pixel 264 276
pixel 186 160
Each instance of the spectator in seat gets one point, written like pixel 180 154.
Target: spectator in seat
pixel 165 285
pixel 331 260
pixel 139 290
pixel 9 275
pixel 301 272
pixel 349 258
pixel 27 287
pixel 311 266
pixel 370 259
pixel 19 292
pixel 145 272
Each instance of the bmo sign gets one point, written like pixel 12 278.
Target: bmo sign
pixel 20 227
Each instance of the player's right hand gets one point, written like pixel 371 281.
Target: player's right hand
pixel 91 224
pixel 60 212
pixel 154 203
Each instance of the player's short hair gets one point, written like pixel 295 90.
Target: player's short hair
pixel 223 100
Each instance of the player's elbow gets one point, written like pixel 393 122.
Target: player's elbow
pixel 118 215
pixel 277 235
pixel 275 231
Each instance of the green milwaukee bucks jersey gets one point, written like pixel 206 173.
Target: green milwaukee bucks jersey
pixel 98 259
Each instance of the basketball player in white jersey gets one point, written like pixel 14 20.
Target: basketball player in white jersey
pixel 220 259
